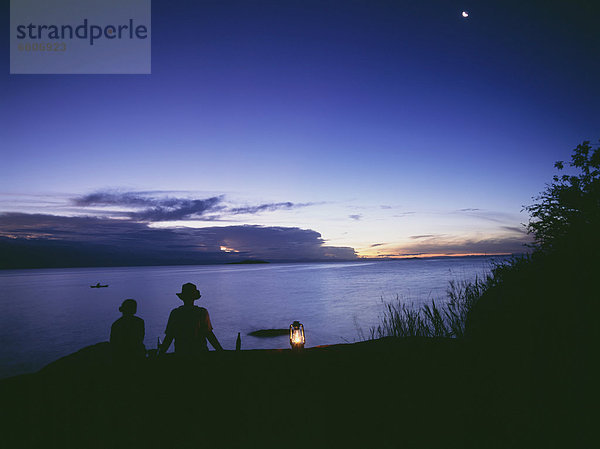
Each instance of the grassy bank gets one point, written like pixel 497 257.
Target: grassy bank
pixel 399 319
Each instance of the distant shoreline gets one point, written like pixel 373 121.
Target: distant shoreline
pixel 290 262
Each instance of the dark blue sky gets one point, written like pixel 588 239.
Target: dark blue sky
pixel 387 121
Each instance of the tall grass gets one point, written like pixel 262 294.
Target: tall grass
pixel 432 320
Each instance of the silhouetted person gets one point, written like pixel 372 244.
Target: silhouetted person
pixel 127 334
pixel 190 326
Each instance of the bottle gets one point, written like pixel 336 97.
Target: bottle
pixel 238 343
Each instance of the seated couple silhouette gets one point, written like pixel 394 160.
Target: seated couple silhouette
pixel 188 325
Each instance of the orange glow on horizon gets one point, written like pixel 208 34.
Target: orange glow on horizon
pixel 424 256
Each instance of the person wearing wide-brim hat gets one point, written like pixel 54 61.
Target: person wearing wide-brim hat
pixel 189 326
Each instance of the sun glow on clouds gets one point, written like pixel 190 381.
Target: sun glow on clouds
pixel 423 256
pixel 509 240
pixel 228 250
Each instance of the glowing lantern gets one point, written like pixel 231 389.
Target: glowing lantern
pixel 297 335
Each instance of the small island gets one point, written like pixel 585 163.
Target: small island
pixel 268 333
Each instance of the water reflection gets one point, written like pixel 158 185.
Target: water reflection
pixel 51 313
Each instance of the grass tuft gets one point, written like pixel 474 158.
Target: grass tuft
pixel 432 320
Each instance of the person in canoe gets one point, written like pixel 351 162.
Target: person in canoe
pixel 189 326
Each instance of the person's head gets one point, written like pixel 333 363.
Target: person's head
pixel 189 293
pixel 128 307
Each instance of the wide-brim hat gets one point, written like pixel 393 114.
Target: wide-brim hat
pixel 189 291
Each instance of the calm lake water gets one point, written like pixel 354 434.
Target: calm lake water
pixel 49 313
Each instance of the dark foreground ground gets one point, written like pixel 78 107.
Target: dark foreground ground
pixel 386 393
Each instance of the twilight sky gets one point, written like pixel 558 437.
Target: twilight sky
pixel 303 130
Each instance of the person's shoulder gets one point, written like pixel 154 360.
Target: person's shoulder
pixel 118 321
pixel 137 319
pixel 200 312
pixel 173 314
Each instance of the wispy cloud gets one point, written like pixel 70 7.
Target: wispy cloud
pixel 268 207
pixel 179 210
pixel 115 198
pixel 505 243
pixel 148 207
pixel 355 217
pixel 515 229
pixel 488 215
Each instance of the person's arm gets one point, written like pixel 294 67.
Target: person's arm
pixel 142 335
pixel 164 347
pixel 116 334
pixel 111 339
pixel 213 341
pixel 169 335
pixel 210 336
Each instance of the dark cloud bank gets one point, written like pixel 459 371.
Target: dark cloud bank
pixel 36 240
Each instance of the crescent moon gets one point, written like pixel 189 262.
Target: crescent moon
pixel 465 14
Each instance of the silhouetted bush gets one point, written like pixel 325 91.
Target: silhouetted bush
pixel 550 298
pixel 542 303
pixel 568 211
